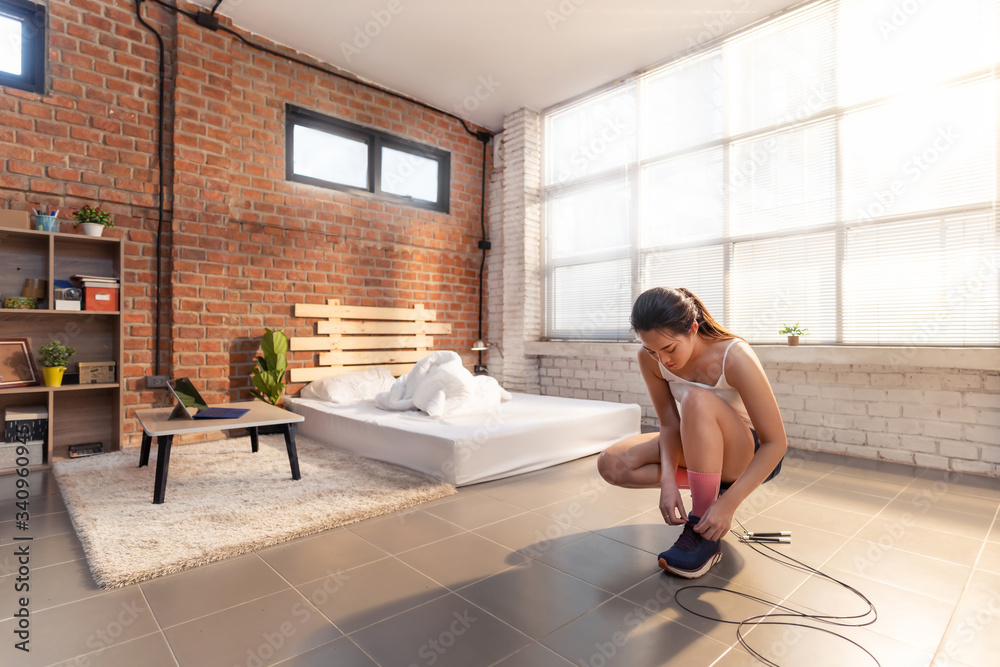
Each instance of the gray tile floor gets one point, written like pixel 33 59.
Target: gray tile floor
pixel 549 568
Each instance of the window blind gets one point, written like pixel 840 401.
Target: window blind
pixel 835 166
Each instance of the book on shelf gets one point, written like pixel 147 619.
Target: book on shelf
pixel 94 281
pixel 79 277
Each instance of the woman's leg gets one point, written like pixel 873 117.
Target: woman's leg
pixel 633 463
pixel 717 445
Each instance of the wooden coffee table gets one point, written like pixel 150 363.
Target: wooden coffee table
pixel 155 422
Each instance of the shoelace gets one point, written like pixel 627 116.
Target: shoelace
pixel 688 539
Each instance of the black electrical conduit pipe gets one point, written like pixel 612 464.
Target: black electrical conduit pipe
pixel 200 19
pixel 160 190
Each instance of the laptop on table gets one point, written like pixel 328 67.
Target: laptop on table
pixel 188 397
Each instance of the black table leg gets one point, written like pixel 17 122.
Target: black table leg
pixel 254 438
pixel 293 455
pixel 162 461
pixel 144 452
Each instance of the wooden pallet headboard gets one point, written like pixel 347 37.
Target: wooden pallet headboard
pixel 352 338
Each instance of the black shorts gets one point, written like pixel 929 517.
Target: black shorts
pixel 756 446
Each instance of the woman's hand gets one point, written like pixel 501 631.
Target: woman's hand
pixel 717 521
pixel 671 505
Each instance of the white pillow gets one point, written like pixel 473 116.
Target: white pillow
pixel 350 387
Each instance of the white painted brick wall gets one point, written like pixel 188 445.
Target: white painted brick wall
pixel 948 419
pixel 517 318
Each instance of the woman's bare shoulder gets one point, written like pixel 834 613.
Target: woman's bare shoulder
pixel 647 364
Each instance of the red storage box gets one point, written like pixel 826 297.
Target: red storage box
pixel 100 298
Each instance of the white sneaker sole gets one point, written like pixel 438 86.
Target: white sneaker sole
pixel 692 574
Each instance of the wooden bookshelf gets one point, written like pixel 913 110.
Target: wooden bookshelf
pixel 78 413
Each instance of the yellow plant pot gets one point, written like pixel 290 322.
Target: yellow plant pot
pixel 53 375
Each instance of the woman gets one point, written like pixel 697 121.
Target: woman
pixel 720 428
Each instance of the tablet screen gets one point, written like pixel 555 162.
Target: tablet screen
pixel 185 392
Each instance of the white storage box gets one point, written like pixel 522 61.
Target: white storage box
pixel 8 453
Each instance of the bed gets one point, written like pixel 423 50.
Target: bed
pixel 526 433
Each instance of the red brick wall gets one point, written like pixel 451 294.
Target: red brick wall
pixel 241 244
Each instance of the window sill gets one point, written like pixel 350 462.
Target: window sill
pixel 969 358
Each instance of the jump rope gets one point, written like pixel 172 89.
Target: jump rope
pixel 795 617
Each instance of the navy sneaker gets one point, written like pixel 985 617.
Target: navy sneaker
pixel 692 555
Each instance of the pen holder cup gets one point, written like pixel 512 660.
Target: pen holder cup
pixel 46 223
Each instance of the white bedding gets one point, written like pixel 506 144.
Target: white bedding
pixel 442 387
pixel 526 433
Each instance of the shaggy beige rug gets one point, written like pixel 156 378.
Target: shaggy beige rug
pixel 222 501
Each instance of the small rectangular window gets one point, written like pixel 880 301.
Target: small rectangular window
pixel 22 45
pixel 409 175
pixel 329 157
pixel 332 153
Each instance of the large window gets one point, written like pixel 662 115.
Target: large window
pixel 835 167
pixel 22 45
pixel 332 153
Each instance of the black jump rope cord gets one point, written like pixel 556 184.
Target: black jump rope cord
pixel 768 619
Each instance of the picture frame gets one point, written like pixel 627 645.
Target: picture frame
pixel 17 366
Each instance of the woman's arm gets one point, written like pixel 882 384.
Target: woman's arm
pixel 671 454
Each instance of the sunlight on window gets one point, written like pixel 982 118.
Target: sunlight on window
pixel 591 221
pixel 696 269
pixel 836 166
pixel 889 47
pixel 591 138
pixel 791 279
pixel 922 151
pixel 942 269
pixel 682 107
pixel 10 45
pixel 330 158
pixel 409 175
pixel 593 299
pixel 682 199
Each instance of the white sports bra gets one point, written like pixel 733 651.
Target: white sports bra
pixel 679 387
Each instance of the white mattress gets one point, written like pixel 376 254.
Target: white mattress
pixel 527 433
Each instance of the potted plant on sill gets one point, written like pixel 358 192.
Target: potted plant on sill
pixel 94 219
pixel 793 332
pixel 53 357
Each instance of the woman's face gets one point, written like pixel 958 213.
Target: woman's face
pixel 674 352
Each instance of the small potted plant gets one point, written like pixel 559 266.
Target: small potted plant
pixel 793 332
pixel 53 357
pixel 94 219
pixel 268 377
